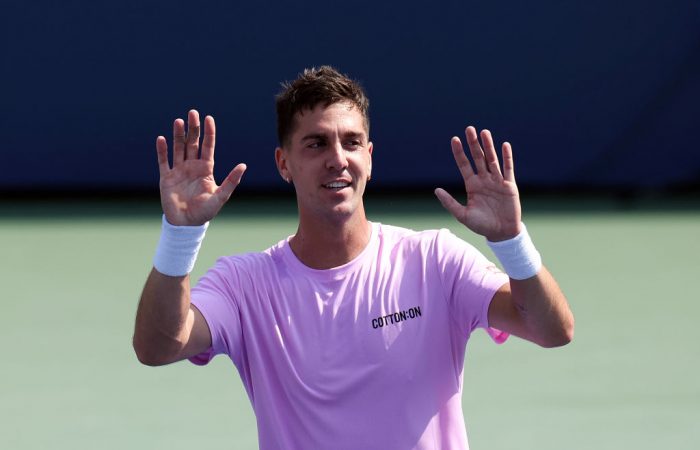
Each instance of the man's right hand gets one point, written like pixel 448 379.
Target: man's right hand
pixel 188 192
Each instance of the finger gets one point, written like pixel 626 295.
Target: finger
pixel 192 135
pixel 162 151
pixel 490 153
pixel 508 165
pixel 476 151
pixel 178 141
pixel 209 138
pixel 449 203
pixel 231 183
pixel 465 167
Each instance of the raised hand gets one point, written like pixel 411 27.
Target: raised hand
pixel 188 192
pixel 493 203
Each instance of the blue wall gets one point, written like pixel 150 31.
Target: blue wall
pixel 591 94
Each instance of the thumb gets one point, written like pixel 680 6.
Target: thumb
pixel 231 182
pixel 449 203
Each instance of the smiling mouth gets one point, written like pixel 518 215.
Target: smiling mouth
pixel 336 185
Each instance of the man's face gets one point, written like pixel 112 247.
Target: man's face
pixel 329 160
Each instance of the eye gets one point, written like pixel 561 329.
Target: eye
pixel 353 144
pixel 316 144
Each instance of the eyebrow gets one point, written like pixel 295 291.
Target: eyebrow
pixel 323 136
pixel 353 134
pixel 312 136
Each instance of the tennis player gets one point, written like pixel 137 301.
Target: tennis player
pixel 349 334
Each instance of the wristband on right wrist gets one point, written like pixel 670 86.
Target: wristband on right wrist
pixel 178 247
pixel 518 256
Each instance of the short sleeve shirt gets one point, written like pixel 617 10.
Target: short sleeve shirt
pixel 368 355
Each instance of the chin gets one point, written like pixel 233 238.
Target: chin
pixel 343 212
pixel 334 212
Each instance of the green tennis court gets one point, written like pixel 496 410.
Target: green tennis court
pixel 71 277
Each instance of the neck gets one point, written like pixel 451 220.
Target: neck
pixel 327 245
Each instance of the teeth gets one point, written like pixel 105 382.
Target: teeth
pixel 337 184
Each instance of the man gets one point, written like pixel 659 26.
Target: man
pixel 349 334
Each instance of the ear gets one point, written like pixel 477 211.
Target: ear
pixel 370 147
pixel 281 161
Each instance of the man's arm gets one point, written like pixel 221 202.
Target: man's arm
pixel 168 328
pixel 533 308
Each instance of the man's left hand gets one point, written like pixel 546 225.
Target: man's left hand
pixel 493 203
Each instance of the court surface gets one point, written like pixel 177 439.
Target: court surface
pixel 71 277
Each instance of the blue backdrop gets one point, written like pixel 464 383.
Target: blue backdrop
pixel 591 94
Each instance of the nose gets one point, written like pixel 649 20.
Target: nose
pixel 337 159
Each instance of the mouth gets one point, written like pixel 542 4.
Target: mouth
pixel 337 185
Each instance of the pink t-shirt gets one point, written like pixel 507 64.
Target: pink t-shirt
pixel 368 355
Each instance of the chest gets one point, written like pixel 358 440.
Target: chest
pixel 346 332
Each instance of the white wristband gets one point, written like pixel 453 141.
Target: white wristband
pixel 519 257
pixel 178 247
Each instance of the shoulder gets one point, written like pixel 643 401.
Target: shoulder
pixel 252 262
pixel 441 246
pixel 393 233
pixel 403 244
pixel 233 269
pixel 427 239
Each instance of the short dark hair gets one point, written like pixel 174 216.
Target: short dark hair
pixel 314 86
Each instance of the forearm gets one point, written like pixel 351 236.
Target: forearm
pixel 161 330
pixel 542 309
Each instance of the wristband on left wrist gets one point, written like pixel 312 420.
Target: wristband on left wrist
pixel 518 256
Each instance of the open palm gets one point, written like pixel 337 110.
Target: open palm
pixel 493 204
pixel 188 191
